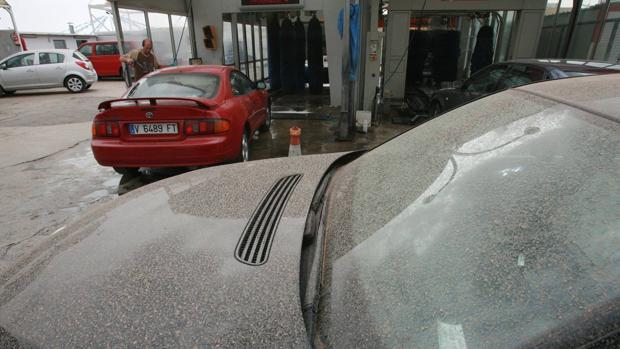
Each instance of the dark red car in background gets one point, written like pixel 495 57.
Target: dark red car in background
pixel 105 56
pixel 181 117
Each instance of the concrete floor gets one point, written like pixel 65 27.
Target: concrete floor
pixel 318 122
pixel 47 172
pixel 49 176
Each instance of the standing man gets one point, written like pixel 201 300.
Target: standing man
pixel 142 60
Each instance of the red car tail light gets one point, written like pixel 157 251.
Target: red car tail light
pixel 106 129
pixel 82 64
pixel 205 126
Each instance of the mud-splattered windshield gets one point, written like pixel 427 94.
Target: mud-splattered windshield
pixel 496 225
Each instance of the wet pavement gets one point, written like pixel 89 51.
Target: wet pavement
pixel 56 106
pixel 47 173
pixel 318 122
pixel 302 106
pixel 43 194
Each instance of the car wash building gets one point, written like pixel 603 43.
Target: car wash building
pixel 402 44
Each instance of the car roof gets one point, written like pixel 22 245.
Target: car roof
pixel 99 42
pixel 597 95
pixel 107 42
pixel 52 50
pixel 185 69
pixel 56 50
pixel 574 65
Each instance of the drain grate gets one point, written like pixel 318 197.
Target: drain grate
pixel 255 242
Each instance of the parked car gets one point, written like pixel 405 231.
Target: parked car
pixel 46 69
pixel 182 116
pixel 494 226
pixel 501 76
pixel 105 56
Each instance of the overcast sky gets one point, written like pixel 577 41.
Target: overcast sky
pixel 48 15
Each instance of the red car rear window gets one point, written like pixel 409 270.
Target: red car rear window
pixel 199 85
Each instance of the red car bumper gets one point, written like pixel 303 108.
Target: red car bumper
pixel 196 151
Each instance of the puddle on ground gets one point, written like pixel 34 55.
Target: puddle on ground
pixel 95 196
pixel 111 183
pixel 147 176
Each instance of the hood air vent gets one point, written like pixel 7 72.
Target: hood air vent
pixel 255 243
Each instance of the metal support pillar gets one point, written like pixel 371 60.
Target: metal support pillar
pixel 571 27
pixel 235 38
pixel 120 39
pixel 147 23
pixel 92 24
pixel 190 26
pixel 499 21
pixel 260 43
pixel 344 126
pixel 19 37
pixel 172 41
pixel 602 17
pixel 251 19
pixel 245 46
pixel 365 18
pixel 117 26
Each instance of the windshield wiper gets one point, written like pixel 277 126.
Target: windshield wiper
pixel 133 90
pixel 313 250
pixel 312 270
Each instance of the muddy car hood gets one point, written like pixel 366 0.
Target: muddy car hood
pixel 157 267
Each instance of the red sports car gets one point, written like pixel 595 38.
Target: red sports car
pixel 181 116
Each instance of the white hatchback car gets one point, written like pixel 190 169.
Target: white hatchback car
pixel 46 69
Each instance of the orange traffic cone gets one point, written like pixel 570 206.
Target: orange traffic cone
pixel 294 149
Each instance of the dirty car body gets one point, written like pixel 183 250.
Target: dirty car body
pixel 494 226
pixel 176 117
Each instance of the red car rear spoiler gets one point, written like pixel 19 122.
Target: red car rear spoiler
pixel 152 101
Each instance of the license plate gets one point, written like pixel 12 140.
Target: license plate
pixel 153 129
